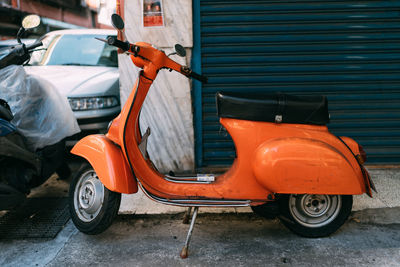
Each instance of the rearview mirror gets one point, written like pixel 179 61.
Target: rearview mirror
pixel 30 22
pixel 117 22
pixel 180 50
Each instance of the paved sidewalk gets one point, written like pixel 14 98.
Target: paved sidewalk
pixel 370 238
pixel 155 235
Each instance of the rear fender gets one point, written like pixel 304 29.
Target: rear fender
pixel 355 149
pixel 108 161
pixel 300 165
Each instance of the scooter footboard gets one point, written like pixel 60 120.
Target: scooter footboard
pixel 108 161
pixel 300 166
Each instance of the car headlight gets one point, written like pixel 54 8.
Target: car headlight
pixel 89 103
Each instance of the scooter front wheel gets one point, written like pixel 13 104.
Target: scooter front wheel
pixel 92 206
pixel 312 215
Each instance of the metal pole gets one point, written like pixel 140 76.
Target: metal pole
pixel 184 252
pixel 187 216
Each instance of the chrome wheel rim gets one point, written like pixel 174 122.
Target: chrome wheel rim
pixel 314 210
pixel 88 196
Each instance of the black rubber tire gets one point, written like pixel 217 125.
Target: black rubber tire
pixel 268 210
pixel 64 171
pixel 287 219
pixel 109 208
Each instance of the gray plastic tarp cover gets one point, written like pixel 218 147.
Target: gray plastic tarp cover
pixel 41 113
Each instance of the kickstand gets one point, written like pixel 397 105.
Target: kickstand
pixel 187 216
pixel 184 252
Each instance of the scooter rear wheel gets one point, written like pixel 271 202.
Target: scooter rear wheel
pixel 311 215
pixel 92 206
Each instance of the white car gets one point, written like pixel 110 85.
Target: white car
pixel 85 70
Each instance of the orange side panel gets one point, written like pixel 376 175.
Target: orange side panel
pixel 295 158
pixel 109 163
pixel 302 165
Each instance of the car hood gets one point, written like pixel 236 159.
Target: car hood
pixel 76 81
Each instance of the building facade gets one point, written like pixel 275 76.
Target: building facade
pixel 55 15
pixel 345 50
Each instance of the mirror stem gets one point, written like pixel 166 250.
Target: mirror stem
pixel 21 31
pixel 123 35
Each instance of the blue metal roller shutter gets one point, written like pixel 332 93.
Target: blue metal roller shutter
pixel 346 50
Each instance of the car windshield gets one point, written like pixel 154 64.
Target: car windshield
pixel 76 50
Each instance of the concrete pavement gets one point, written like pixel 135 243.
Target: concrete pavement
pixel 154 236
pixel 218 240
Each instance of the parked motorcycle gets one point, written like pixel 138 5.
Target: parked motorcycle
pixel 287 164
pixel 32 145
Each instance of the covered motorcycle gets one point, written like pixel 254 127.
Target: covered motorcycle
pixel 34 121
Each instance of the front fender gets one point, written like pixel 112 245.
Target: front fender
pixel 300 165
pixel 108 161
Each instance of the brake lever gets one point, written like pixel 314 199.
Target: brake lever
pixel 101 39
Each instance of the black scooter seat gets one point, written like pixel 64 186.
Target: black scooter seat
pixel 278 107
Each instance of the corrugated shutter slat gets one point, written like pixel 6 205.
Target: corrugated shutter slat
pixel 346 50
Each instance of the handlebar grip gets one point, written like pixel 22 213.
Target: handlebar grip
pixel 115 42
pixel 33 46
pixel 198 77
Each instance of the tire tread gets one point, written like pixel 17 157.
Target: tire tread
pixel 324 231
pixel 111 204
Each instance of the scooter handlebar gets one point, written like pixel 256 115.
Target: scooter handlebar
pixel 126 46
pixel 198 77
pixel 33 46
pixel 190 73
pixel 115 42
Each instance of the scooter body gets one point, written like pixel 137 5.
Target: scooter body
pixel 287 157
pixel 271 158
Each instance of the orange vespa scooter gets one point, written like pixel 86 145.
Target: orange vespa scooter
pixel 287 163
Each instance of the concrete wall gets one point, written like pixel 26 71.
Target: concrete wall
pixel 167 109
